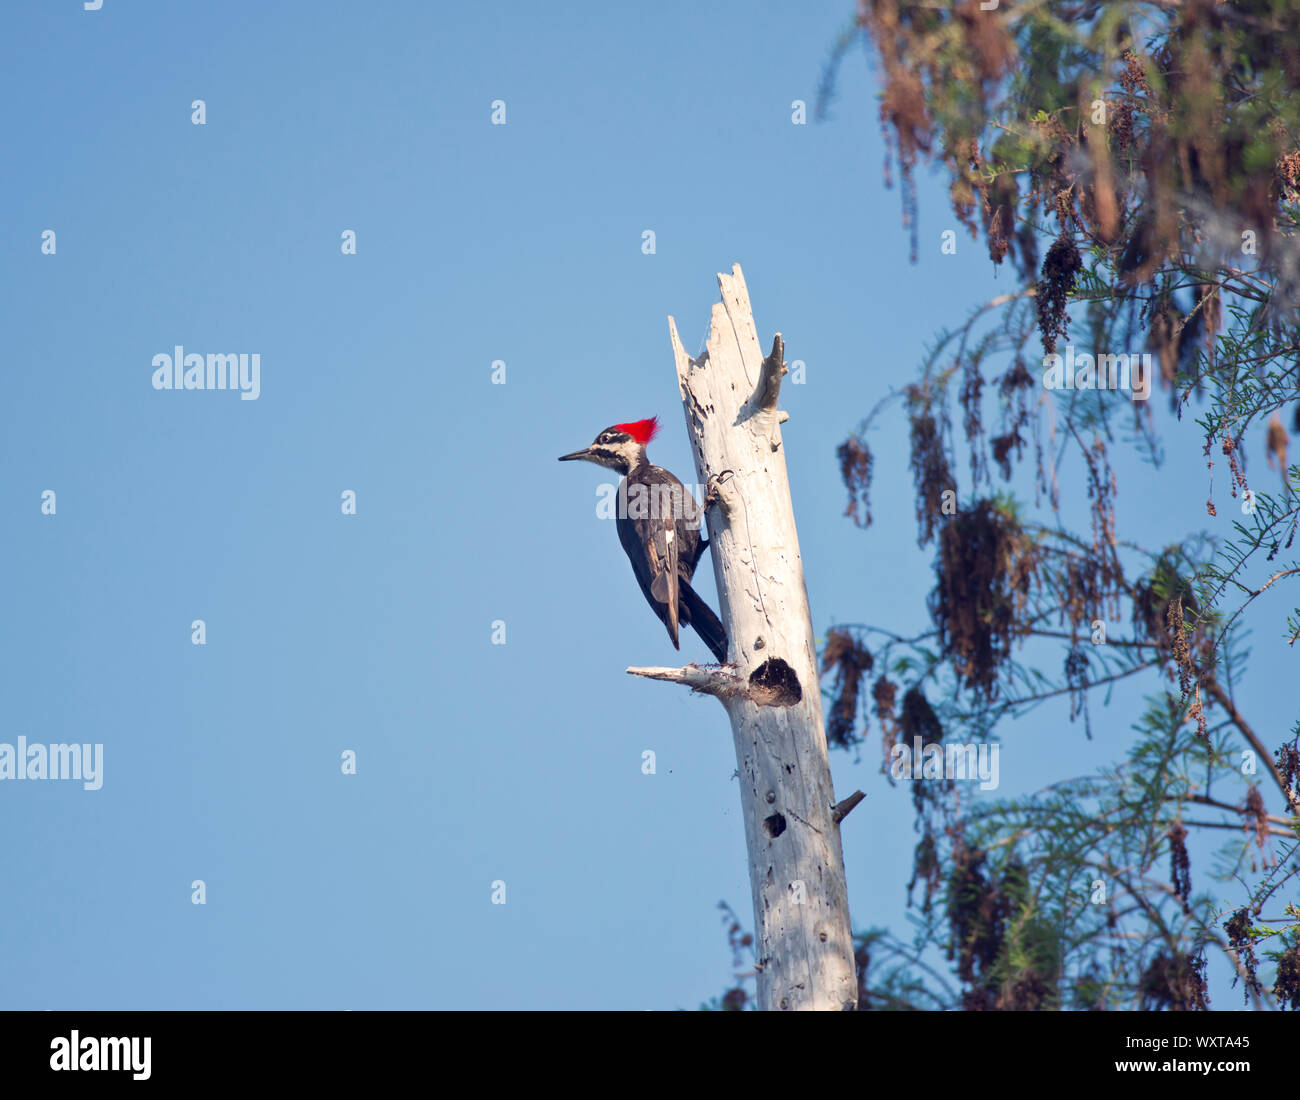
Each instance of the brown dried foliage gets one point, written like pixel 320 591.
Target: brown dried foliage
pixel 918 720
pixel 883 693
pixel 985 568
pixel 1198 142
pixel 1165 342
pixel 1181 650
pixel 1060 271
pixel 1277 445
pixel 1014 388
pixel 1288 763
pixel 1256 817
pixel 930 472
pixel 855 470
pixel 972 387
pixel 925 869
pixel 1242 941
pixel 981 910
pixel 977 914
pixel 850 661
pixel 1287 987
pixel 1180 867
pixel 1174 982
pixel 912 61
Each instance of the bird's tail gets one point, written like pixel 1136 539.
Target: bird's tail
pixel 706 623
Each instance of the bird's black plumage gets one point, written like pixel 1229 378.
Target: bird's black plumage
pixel 659 527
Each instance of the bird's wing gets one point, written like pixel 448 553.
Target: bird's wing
pixel 647 529
pixel 664 556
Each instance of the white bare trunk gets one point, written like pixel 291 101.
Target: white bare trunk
pixel 770 686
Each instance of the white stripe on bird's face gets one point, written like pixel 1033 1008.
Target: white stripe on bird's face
pixel 620 455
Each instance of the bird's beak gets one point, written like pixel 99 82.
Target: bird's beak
pixel 576 455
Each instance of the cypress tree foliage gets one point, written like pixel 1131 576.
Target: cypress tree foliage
pixel 1136 166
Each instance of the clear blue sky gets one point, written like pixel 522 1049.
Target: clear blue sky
pixel 372 633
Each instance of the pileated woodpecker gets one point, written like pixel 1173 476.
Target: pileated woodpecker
pixel 659 527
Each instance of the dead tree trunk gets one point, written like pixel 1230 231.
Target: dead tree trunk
pixel 769 687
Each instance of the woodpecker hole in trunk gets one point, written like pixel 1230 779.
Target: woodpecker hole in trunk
pixel 774 826
pixel 774 684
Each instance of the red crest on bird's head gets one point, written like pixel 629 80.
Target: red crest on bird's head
pixel 641 430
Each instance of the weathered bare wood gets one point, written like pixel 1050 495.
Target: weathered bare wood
pixel 843 809
pixel 769 687
pixel 708 680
